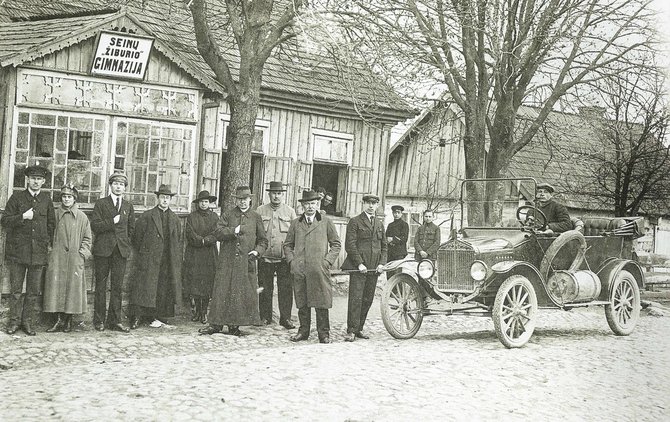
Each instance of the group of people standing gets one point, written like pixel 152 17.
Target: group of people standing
pixel 228 268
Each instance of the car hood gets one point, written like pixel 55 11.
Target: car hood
pixel 495 243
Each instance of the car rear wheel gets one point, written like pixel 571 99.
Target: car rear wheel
pixel 623 311
pixel 402 306
pixel 515 311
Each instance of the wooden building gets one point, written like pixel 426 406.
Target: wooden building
pixel 92 90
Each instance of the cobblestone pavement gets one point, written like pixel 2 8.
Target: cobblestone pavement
pixel 574 368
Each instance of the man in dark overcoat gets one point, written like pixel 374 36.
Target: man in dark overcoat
pixel 366 248
pixel 558 219
pixel 427 239
pixel 311 247
pixel 113 222
pixel 397 234
pixel 155 283
pixel 30 220
pixel 235 295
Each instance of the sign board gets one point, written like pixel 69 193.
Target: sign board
pixel 121 55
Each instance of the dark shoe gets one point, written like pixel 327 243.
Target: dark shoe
pixel 234 330
pixel 99 326
pixel 120 327
pixel 11 329
pixel 28 329
pixel 134 323
pixel 325 338
pixel 300 336
pixel 350 337
pixel 362 335
pixel 210 329
pixel 58 326
pixel 68 324
pixel 287 324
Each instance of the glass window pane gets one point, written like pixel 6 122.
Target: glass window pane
pixel 23 118
pixel 43 119
pixel 42 142
pixel 22 137
pixel 62 121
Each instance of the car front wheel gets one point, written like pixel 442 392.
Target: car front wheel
pixel 623 311
pixel 515 311
pixel 402 306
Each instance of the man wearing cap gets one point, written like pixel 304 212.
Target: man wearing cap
pixel 235 296
pixel 155 282
pixel 427 239
pixel 113 222
pixel 277 218
pixel 558 219
pixel 312 245
pixel 366 246
pixel 397 234
pixel 29 219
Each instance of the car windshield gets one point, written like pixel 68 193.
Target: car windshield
pixel 494 202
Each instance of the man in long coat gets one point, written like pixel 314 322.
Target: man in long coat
pixel 243 241
pixel 311 247
pixel 366 248
pixel 156 279
pixel 30 220
pixel 397 234
pixel 113 222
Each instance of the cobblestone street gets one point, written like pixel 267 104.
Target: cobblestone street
pixel 574 368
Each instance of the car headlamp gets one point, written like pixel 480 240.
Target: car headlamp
pixel 426 269
pixel 478 271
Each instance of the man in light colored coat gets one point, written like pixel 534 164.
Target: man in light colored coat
pixel 277 218
pixel 311 247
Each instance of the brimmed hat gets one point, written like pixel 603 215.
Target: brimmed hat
pixel 309 195
pixel 35 171
pixel 397 208
pixel 204 195
pixel 118 177
pixel 164 190
pixel 370 198
pixel 276 187
pixel 545 186
pixel 70 190
pixel 243 192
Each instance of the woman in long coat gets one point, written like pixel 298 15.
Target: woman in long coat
pixel 243 240
pixel 65 288
pixel 201 252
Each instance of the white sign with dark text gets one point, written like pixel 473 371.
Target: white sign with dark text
pixel 121 55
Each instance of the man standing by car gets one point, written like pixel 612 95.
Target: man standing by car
pixel 427 239
pixel 30 220
pixel 397 234
pixel 277 218
pixel 558 219
pixel 366 254
pixel 311 247
pixel 113 222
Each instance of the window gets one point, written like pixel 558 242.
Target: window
pixel 153 153
pixel 69 146
pixel 332 160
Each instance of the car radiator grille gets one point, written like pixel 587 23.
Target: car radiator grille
pixel 453 267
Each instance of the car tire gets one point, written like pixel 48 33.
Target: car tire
pixel 515 311
pixel 623 310
pixel 402 306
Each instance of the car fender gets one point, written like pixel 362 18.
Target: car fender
pixel 505 269
pixel 611 268
pixel 407 266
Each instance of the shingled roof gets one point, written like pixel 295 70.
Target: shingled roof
pixel 292 70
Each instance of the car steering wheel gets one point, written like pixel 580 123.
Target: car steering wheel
pixel 531 217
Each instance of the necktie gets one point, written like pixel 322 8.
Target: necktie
pixel 372 220
pixel 118 203
pixel 309 221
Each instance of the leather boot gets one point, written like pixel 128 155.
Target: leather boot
pixel 198 310
pixel 68 323
pixel 203 309
pixel 58 326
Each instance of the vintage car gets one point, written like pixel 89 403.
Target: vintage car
pixel 509 273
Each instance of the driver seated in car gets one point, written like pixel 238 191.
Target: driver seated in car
pixel 558 219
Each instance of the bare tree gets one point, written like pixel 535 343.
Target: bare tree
pixel 492 56
pixel 257 27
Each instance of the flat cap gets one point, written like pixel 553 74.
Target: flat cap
pixel 370 198
pixel 546 186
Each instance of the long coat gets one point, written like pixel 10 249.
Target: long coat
pixel 148 243
pixel 65 288
pixel 28 241
pixel 235 294
pixel 558 219
pixel 365 243
pixel 399 231
pixel 109 235
pixel 311 250
pixel 201 252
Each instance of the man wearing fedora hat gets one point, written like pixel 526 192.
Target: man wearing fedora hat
pixel 366 248
pixel 201 252
pixel 29 219
pixel 155 282
pixel 235 293
pixel 558 219
pixel 277 218
pixel 113 222
pixel 312 245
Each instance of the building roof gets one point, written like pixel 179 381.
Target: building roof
pixel 293 70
